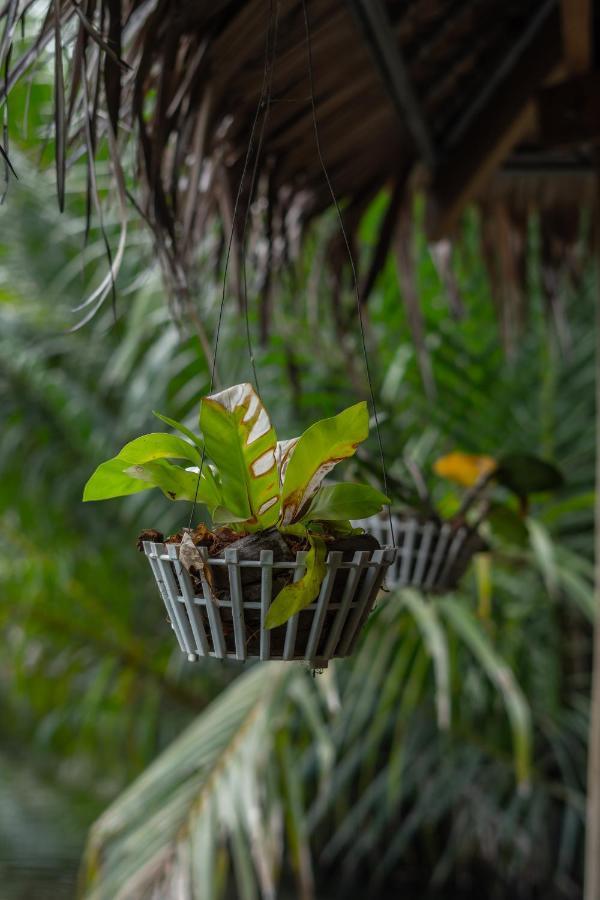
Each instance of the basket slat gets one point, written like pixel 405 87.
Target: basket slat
pixel 407 552
pixel 187 638
pixel 334 560
pixel 423 553
pixel 292 625
pixel 455 548
pixel 237 600
pixel 438 555
pixel 212 611
pixel 359 560
pixel 152 553
pixel 266 587
pixel 367 594
pixel 387 555
pixel 187 591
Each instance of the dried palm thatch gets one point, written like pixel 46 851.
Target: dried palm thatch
pixel 202 99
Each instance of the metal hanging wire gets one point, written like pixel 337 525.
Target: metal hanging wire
pixel 265 93
pixel 264 104
pixel 334 199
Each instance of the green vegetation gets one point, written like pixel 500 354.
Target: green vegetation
pixel 255 482
pixel 447 756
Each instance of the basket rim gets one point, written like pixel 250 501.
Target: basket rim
pixel 364 560
pixel 434 526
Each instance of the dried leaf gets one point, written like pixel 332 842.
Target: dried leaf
pixel 192 561
pixel 149 534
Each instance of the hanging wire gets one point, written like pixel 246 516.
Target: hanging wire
pixel 259 107
pixel 350 255
pixel 267 108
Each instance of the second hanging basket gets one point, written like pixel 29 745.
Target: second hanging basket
pixel 430 555
pixel 230 623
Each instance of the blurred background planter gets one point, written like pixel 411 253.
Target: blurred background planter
pixel 430 555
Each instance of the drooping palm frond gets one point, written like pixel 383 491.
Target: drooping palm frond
pixel 94 679
pixel 197 106
pixel 213 792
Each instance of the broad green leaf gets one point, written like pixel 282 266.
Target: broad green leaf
pixel 507 525
pixel 296 596
pixel 109 480
pixel 241 441
pixel 142 464
pixel 319 449
pixel 158 445
pixel 345 501
pixel 176 483
pixel 179 426
pixel 223 516
pixel 525 474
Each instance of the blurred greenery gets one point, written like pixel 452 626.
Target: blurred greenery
pixel 445 759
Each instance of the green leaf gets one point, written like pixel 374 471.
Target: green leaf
pixel 544 554
pixel 507 525
pixel 142 464
pixel 223 516
pixel 526 474
pixel 158 445
pixel 109 480
pixel 301 593
pixel 345 501
pixel 176 483
pixel 189 797
pixel 318 450
pixel 436 641
pixel 501 675
pixel 241 441
pixel 179 426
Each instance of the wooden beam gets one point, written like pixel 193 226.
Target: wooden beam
pixel 495 130
pixel 377 30
pixel 517 48
pixel 577 30
pixel 568 112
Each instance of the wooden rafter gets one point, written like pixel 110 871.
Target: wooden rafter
pixel 495 129
pixel 568 112
pixel 577 32
pixel 375 26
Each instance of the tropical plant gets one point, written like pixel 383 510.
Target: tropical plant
pixel 447 757
pixel 255 483
pixel 494 485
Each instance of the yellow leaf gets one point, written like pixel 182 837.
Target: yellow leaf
pixel 464 468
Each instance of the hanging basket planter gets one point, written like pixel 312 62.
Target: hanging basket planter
pixel 430 555
pixel 226 619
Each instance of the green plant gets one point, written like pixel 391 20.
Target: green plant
pixel 255 482
pixel 499 491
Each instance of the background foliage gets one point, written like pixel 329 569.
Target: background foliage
pixel 448 754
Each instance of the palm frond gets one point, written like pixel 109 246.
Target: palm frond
pixel 209 790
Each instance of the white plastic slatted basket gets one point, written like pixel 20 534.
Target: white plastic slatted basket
pixel 429 555
pixel 233 626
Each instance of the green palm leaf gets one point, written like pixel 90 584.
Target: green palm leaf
pixel 205 789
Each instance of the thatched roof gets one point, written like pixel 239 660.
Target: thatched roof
pixel 440 94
